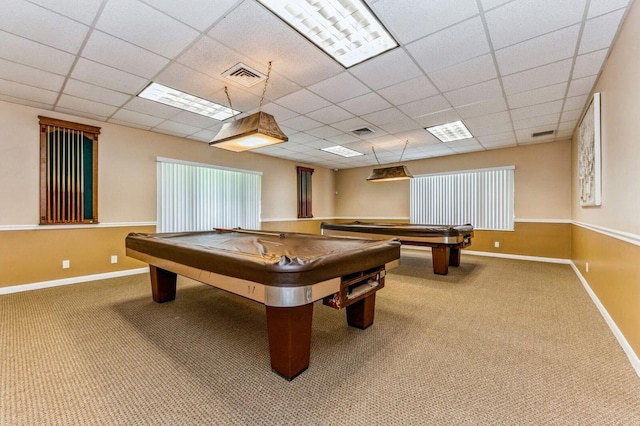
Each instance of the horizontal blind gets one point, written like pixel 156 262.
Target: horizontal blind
pixel 483 198
pixel 195 197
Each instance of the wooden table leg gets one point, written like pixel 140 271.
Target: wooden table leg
pixel 454 256
pixel 163 284
pixel 360 314
pixel 440 255
pixel 289 332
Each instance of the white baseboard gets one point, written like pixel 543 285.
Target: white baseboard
pixel 67 281
pixel 501 255
pixel 628 350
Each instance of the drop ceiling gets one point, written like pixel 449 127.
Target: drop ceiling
pixel 507 69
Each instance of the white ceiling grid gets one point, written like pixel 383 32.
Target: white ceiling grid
pixel 507 68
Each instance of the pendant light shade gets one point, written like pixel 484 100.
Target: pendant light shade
pixel 254 131
pixel 385 174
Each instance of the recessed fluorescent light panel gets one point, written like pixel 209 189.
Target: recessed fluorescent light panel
pixel 342 151
pixel 346 29
pixel 450 132
pixel 175 98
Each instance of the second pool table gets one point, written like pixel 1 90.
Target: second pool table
pixel 446 241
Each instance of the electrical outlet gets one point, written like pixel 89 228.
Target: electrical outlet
pixel 496 244
pixel 66 264
pixel 114 259
pixel 586 266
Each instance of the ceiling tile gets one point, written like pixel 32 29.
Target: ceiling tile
pixel 589 63
pixel 536 110
pixel 138 24
pixel 365 104
pixel 261 36
pixel 399 126
pixel 44 26
pixel 155 109
pixel 105 76
pixel 324 132
pixel 569 116
pixel 23 91
pixel 385 116
pixel 599 32
pixel 482 108
pixel 280 113
pixel 451 46
pixel 91 92
pixel 124 56
pixel 581 86
pixel 418 18
pixel 196 13
pixel 538 18
pixel 492 129
pixel 175 128
pixel 550 121
pixel 425 106
pixel 600 7
pixel 330 114
pixel 27 52
pixel 339 88
pixel 488 120
pixel 538 51
pixel 537 96
pixel 342 139
pixel 301 123
pixel 86 106
pixel 409 91
pixel 465 73
pixel 535 78
pixel 440 117
pixel 195 120
pixel 84 11
pixel 30 76
pixel 490 4
pixel 385 70
pixel 303 101
pixel 141 119
pixel 576 102
pixel 188 80
pixel 477 93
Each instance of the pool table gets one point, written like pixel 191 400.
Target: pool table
pixel 446 241
pixel 287 272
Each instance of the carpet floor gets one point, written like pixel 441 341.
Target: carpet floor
pixel 495 342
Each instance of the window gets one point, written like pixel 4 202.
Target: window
pixel 199 197
pixel 68 172
pixel 483 198
pixel 304 192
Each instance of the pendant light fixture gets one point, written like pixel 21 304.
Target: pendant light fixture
pixel 386 174
pixel 254 131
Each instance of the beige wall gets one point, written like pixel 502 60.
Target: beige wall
pixel 619 86
pixel 127 170
pixel 542 182
pixel 127 196
pixel 614 270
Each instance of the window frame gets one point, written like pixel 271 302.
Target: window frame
pixel 91 132
pixel 304 192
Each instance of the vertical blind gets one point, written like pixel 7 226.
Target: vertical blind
pixel 198 197
pixel 483 198
pixel 68 185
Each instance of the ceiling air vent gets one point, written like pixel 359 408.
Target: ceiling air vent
pixel 362 131
pixel 545 133
pixel 242 74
